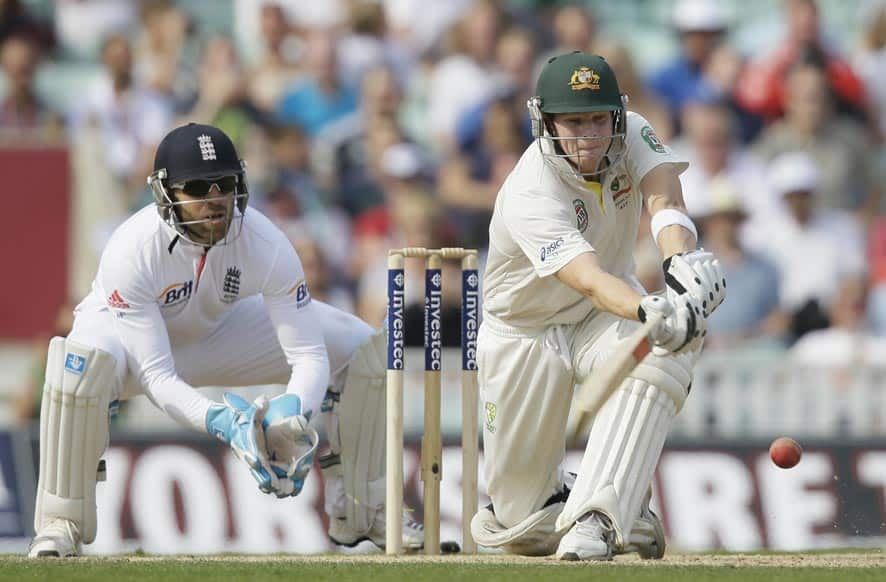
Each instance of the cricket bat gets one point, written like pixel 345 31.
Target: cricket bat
pixel 608 376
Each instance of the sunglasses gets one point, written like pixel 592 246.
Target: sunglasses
pixel 200 188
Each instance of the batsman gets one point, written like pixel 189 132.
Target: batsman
pixel 560 295
pixel 198 289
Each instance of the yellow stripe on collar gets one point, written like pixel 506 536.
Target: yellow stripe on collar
pixel 596 188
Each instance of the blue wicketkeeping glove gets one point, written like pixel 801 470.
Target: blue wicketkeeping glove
pixel 239 424
pixel 291 443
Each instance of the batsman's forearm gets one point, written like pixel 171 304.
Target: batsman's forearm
pixel 614 295
pixel 675 239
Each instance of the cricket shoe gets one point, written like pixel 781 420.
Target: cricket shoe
pixel 343 535
pixel 590 538
pixel 59 538
pixel 647 536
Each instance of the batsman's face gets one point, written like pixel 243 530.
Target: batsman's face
pixel 206 217
pixel 584 137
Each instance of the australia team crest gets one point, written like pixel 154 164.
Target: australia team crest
pixel 581 214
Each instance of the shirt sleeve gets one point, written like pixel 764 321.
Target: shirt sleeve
pixel 298 327
pixel 543 227
pixel 141 329
pixel 645 150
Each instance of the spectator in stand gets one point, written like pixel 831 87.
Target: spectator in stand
pixel 340 153
pixel 763 87
pixel 223 100
pixel 814 248
pixel 364 43
pixel 162 58
pixel 839 146
pixel 469 181
pixel 848 342
pixel 323 275
pixel 574 29
pixel 320 96
pixel 411 216
pixel 82 26
pixel 491 139
pixel 467 77
pixel 16 21
pixel 752 312
pixel 23 114
pixel 131 120
pixel 870 61
pixel 640 98
pixel 701 26
pixel 278 66
pixel 293 198
pixel 711 144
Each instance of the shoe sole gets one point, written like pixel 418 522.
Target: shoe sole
pixel 444 547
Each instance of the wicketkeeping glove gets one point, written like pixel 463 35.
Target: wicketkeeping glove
pixel 239 424
pixel 291 444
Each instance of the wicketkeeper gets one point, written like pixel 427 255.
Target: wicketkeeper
pixel 198 290
pixel 559 295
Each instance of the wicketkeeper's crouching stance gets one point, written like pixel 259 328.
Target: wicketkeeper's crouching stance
pixel 560 297
pixel 194 290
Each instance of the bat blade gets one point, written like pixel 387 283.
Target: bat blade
pixel 605 378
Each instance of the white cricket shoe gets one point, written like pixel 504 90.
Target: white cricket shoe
pixel 413 532
pixel 60 538
pixel 590 538
pixel 342 534
pixel 647 537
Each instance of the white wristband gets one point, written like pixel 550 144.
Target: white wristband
pixel 667 217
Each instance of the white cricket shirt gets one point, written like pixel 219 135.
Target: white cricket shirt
pixel 164 291
pixel 543 219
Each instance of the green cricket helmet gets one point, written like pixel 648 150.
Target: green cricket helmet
pixel 576 82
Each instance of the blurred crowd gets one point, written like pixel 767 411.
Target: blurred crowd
pixel 373 124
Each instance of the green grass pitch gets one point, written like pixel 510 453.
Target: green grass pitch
pixel 854 566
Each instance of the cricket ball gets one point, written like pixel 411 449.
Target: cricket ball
pixel 785 452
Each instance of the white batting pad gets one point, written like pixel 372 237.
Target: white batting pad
pixel 625 443
pixel 73 433
pixel 361 428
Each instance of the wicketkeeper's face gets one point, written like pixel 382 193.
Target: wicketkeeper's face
pixel 206 216
pixel 584 138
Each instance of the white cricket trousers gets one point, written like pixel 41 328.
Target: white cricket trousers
pixel 242 351
pixel 527 377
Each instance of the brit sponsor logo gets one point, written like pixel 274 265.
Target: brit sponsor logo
pixel 551 249
pixel 302 295
pixel 176 293
pixel 396 319
pixel 75 364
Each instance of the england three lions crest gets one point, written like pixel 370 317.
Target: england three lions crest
pixel 231 285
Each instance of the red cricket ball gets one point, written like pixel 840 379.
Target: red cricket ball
pixel 785 452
